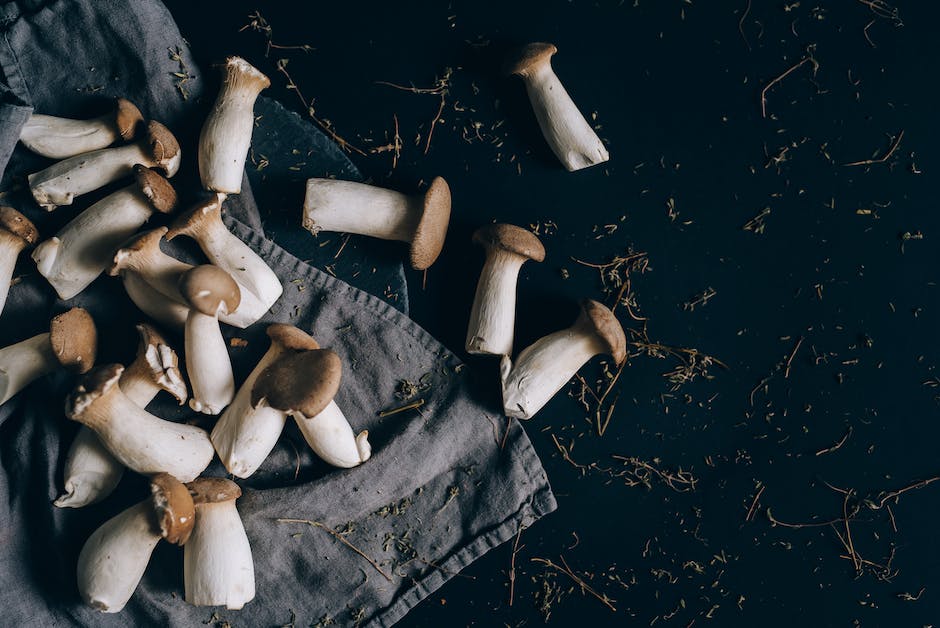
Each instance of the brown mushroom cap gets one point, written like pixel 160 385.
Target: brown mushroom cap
pixel 199 218
pixel 74 339
pixel 432 228
pixel 598 319
pixel 98 384
pixel 210 290
pixel 127 117
pixel 245 75
pixel 303 382
pixel 138 252
pixel 213 490
pixel 157 361
pixel 529 57
pixel 155 188
pixel 173 508
pixel 291 338
pixel 15 223
pixel 512 239
pixel 164 147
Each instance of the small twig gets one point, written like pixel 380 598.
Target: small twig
pixel 411 406
pixel 750 511
pixel 744 15
pixel 512 564
pixel 867 37
pixel 763 93
pixel 437 117
pixel 883 158
pixel 798 526
pixel 339 537
pixel 342 246
pixel 916 485
pixel 829 450
pixel 585 587
pixel 786 370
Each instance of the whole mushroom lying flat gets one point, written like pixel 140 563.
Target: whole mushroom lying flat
pixel 85 247
pixel 544 367
pixel 493 317
pixel 114 557
pixel 61 182
pixel 59 138
pixel 226 134
pixel 71 342
pixel 217 566
pixel 420 220
pixel 16 233
pixel 568 134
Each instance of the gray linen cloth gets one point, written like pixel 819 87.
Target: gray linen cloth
pixel 439 491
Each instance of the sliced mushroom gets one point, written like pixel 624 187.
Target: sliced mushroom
pixel 420 220
pixel 493 317
pixel 303 385
pixel 209 290
pixel 61 182
pixel 71 342
pixel 543 368
pixel 16 233
pixel 59 138
pixel 85 247
pixel 245 435
pixel 203 223
pixel 114 557
pixel 138 439
pixel 226 134
pixel 217 566
pixel 569 135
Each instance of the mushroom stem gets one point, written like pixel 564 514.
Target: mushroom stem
pixel 91 472
pixel 332 439
pixel 10 247
pixel 59 138
pixel 208 364
pixel 493 316
pixel 154 303
pixel 23 362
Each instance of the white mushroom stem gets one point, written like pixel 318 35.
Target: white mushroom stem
pixel 231 254
pixel 114 558
pixel 332 439
pixel 210 369
pixel 10 247
pixel 59 138
pixel 23 362
pixel 351 207
pixel 493 316
pixel 217 566
pixel 91 472
pixel 153 303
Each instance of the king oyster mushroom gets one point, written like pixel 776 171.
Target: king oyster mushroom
pixel 16 233
pixel 59 138
pixel 114 557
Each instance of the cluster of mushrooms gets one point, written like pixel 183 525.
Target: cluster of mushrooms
pixel 295 378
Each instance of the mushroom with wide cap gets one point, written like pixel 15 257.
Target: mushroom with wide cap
pixel 244 435
pixel 217 566
pixel 114 557
pixel 303 385
pixel 61 182
pixel 545 366
pixel 59 138
pixel 226 134
pixel 493 316
pixel 346 206
pixel 85 247
pixel 568 134
pixel 209 291
pixel 91 472
pixel 71 342
pixel 141 441
pixel 16 233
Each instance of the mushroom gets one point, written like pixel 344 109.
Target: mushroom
pixel 226 134
pixel 138 439
pixel 85 247
pixel 217 566
pixel 61 182
pixel 16 233
pixel 303 385
pixel 114 557
pixel 492 319
pixel 244 435
pixel 569 135
pixel 91 472
pixel 203 223
pixel 59 138
pixel 420 220
pixel 544 367
pixel 71 342
pixel 154 304
pixel 209 290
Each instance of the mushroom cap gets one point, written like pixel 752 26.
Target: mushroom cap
pixel 74 339
pixel 530 56
pixel 19 225
pixel 512 239
pixel 303 382
pixel 244 74
pixel 155 188
pixel 210 290
pixel 137 252
pixel 157 361
pixel 127 117
pixel 100 382
pixel 597 318
pixel 164 147
pixel 173 507
pixel 213 490
pixel 199 218
pixel 291 338
pixel 432 228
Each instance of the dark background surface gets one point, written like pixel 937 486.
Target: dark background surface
pixel 676 87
